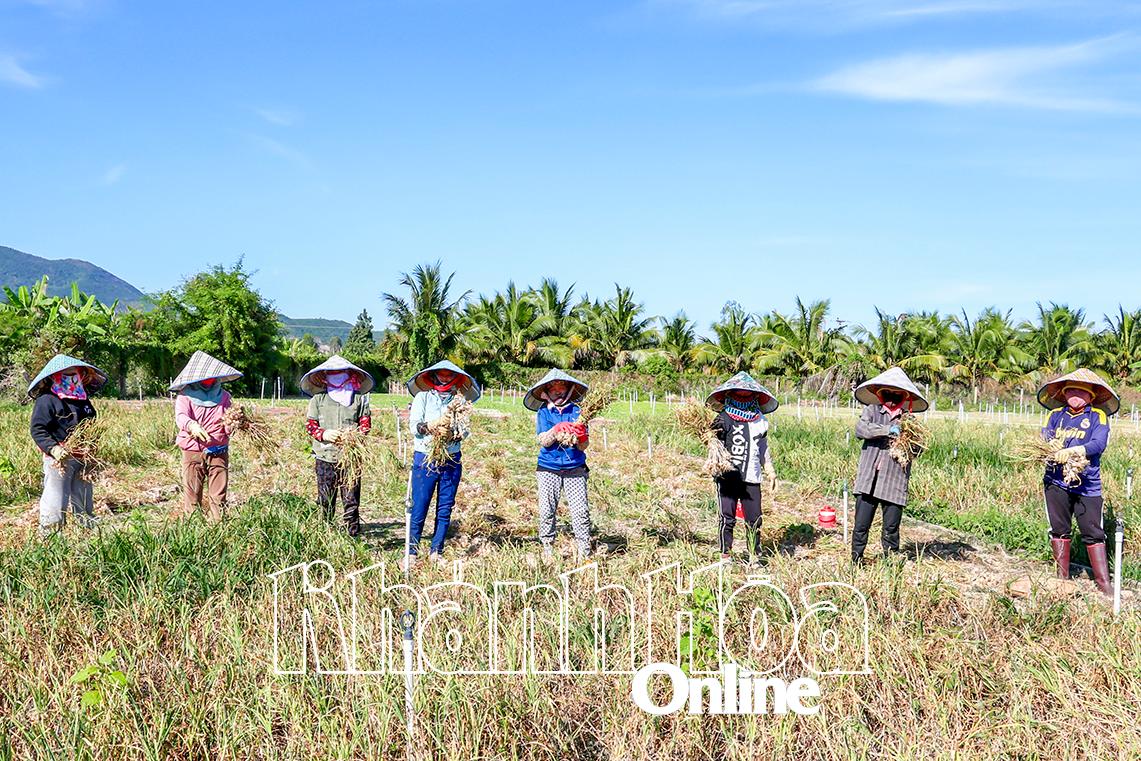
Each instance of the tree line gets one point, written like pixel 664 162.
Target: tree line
pixel 504 336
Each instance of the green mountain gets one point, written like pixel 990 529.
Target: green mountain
pixel 18 268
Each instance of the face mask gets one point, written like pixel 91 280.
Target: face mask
pixel 69 386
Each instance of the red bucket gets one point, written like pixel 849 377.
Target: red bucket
pixel 826 517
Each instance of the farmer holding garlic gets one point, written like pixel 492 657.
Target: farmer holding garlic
pixel 199 410
pixel 741 404
pixel 881 480
pixel 1082 403
pixel 561 469
pixel 61 391
pixel 438 418
pixel 338 403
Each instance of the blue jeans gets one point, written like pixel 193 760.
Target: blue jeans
pixel 443 481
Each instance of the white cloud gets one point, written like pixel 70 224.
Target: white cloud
pixel 1001 76
pixel 278 148
pixel 277 116
pixel 114 174
pixel 842 13
pixel 12 73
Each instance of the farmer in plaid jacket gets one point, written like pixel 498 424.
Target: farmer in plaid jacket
pixel 881 482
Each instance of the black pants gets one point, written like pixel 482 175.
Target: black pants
pixel 1063 506
pixel 892 514
pixel 728 492
pixel 330 483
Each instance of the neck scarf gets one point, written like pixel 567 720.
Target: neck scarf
pixel 204 397
pixel 744 411
pixel 341 387
pixel 68 386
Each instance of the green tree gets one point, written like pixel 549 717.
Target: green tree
pixel 360 340
pixel 219 312
pixel 986 348
pixel 679 341
pixel 1119 345
pixel 423 325
pixel 615 329
pixel 801 345
pixel 1060 341
pixel 731 349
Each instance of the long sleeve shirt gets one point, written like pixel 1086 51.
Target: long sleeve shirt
pixel 879 474
pixel 53 419
pixel 428 407
pixel 747 442
pixel 1089 429
pixel 553 456
pixel 210 418
pixel 324 414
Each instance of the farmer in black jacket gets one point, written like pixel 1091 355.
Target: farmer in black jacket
pixel 881 482
pixel 61 392
pixel 741 404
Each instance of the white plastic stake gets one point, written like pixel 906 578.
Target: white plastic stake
pixel 408 620
pixel 649 445
pixel 1120 539
pixel 845 513
pixel 605 443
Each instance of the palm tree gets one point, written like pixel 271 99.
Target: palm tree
pixel 913 342
pixel 986 348
pixel 423 325
pixel 801 345
pixel 1119 345
pixel 616 329
pixel 678 341
pixel 1061 340
pixel 731 348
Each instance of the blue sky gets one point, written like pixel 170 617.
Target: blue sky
pixel 943 154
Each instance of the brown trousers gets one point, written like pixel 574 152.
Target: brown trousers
pixel 201 470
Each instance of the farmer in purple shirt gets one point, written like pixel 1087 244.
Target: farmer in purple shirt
pixel 1082 403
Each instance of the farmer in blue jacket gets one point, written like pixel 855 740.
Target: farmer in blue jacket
pixel 561 470
pixel 1082 403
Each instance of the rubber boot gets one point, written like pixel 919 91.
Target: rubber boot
pixel 1100 565
pixel 1061 550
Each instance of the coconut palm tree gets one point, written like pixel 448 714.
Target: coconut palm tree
pixel 986 348
pixel 1119 345
pixel 914 342
pixel 1061 340
pixel 423 324
pixel 801 345
pixel 731 348
pixel 678 341
pixel 615 329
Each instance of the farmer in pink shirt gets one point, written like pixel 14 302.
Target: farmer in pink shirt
pixel 205 443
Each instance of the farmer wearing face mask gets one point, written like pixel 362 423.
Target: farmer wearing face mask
pixel 202 436
pixel 562 466
pixel 434 388
pixel 338 402
pixel 741 404
pixel 1082 403
pixel 881 482
pixel 61 391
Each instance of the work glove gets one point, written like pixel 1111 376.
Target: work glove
pixel 564 426
pixel 196 431
pixel 893 431
pixel 580 431
pixel 59 454
pixel 1063 456
pixel 771 475
pixel 421 429
pixel 331 436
